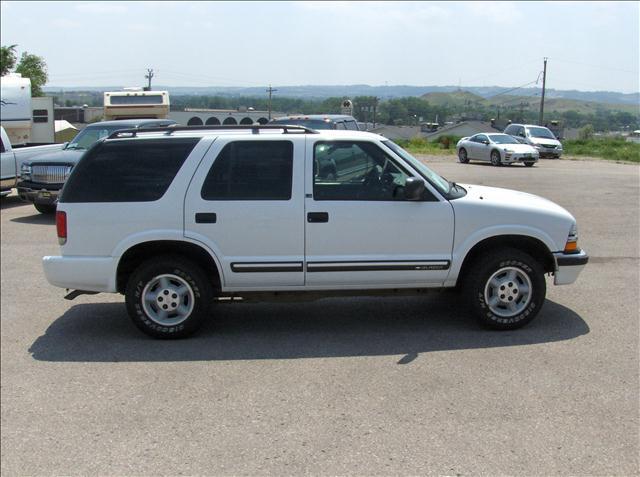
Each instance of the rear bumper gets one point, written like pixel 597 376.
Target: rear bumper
pixel 568 267
pixel 81 273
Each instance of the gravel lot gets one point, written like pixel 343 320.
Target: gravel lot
pixel 385 386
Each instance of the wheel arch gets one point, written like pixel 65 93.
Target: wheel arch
pixel 140 252
pixel 530 245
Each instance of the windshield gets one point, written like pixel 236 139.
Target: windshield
pixel 541 132
pixel 438 182
pixel 90 135
pixel 503 139
pixel 309 123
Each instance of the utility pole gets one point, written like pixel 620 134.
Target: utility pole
pixel 544 81
pixel 375 108
pixel 270 91
pixel 148 76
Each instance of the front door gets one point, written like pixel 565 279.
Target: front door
pixel 246 203
pixel 361 231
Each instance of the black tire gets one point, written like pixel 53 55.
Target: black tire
pixel 529 164
pixel 462 156
pixel 495 158
pixel 45 208
pixel 476 288
pixel 180 271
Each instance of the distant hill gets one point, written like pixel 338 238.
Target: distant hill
pixel 383 92
pixel 453 99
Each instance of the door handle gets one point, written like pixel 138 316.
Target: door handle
pixel 317 217
pixel 206 218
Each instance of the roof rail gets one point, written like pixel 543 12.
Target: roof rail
pixel 170 129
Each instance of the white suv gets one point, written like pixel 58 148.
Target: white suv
pixel 178 218
pixel 539 137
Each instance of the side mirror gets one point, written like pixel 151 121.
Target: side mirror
pixel 64 146
pixel 413 188
pixel 485 142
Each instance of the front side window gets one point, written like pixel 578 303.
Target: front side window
pixel 251 170
pixel 347 170
pixel 340 125
pixel 481 138
pixel 351 125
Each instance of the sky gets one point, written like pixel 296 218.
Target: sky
pixel 591 46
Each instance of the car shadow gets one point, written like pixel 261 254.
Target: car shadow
pixel 40 219
pixel 335 327
pixel 11 201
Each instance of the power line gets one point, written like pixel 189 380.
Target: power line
pixel 602 67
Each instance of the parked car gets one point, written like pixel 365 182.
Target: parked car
pixel 41 179
pixel 180 218
pixel 320 121
pixel 537 136
pixel 498 148
pixel 11 159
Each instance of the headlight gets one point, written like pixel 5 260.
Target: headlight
pixel 537 146
pixel 559 147
pixel 509 151
pixel 25 171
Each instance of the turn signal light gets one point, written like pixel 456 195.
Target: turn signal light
pixel 571 247
pixel 61 227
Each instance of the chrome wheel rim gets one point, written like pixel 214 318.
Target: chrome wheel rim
pixel 462 155
pixel 168 300
pixel 508 292
pixel 495 159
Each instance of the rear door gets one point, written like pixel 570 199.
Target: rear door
pixel 246 202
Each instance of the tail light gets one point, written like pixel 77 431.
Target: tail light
pixel 61 227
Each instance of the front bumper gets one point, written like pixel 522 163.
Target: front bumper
pixel 568 267
pixel 81 273
pixel 547 152
pixel 39 193
pixel 510 158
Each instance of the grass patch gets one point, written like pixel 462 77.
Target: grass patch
pixel 444 145
pixel 613 149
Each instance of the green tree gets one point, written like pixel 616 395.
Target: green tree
pixel 34 68
pixel 586 132
pixel 7 59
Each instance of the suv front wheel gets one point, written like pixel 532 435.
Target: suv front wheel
pixel 506 289
pixel 168 297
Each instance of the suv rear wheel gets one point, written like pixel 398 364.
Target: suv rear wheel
pixel 506 289
pixel 168 297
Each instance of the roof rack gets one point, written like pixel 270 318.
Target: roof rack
pixel 255 129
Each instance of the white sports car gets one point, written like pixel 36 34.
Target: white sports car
pixel 498 148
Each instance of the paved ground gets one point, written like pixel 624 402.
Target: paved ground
pixel 340 386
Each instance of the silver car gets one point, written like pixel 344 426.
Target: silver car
pixel 497 148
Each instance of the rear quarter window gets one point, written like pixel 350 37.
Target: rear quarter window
pixel 127 171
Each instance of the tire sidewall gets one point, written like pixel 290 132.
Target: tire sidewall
pixel 499 161
pixel 147 272
pixel 463 152
pixel 538 291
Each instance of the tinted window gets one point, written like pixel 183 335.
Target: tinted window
pixel 127 171
pixel 351 125
pixel 2 149
pixel 251 170
pixel 340 125
pixel 481 137
pixel 345 170
pixel 135 99
pixel 309 123
pixel 510 130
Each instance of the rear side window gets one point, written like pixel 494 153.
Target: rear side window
pixel 127 171
pixel 251 170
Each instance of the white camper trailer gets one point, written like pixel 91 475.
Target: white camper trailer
pixel 136 104
pixel 27 120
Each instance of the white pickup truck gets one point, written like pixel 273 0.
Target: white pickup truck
pixel 12 159
pixel 176 218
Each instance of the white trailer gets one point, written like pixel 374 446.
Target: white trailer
pixel 27 120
